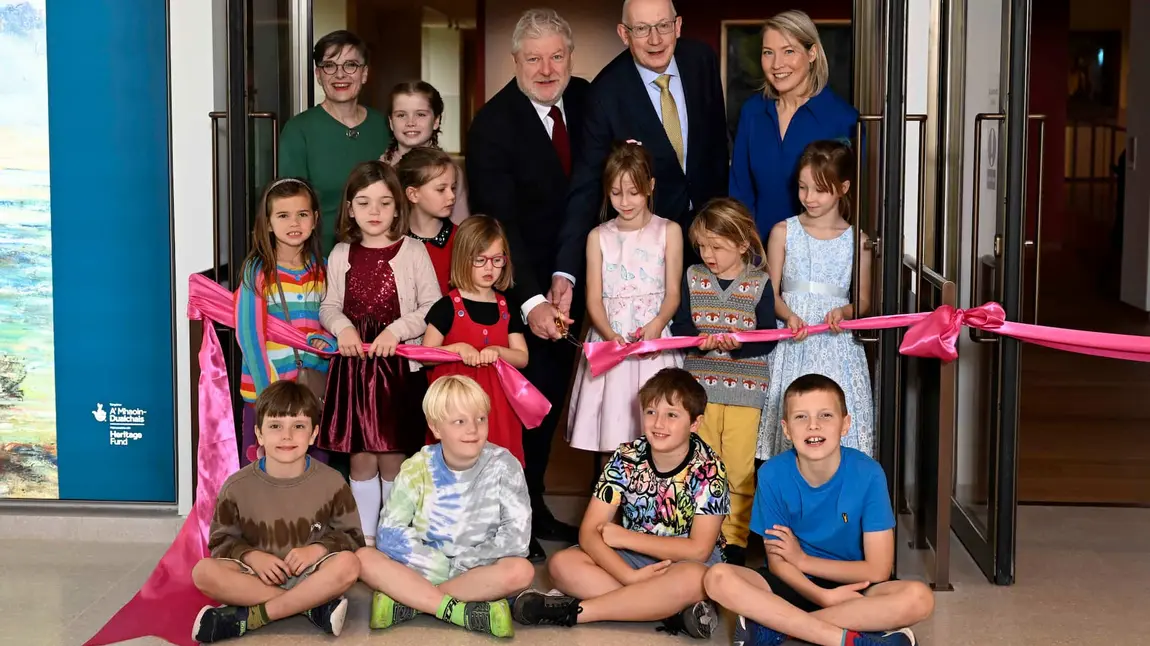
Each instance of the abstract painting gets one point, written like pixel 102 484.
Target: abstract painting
pixel 27 359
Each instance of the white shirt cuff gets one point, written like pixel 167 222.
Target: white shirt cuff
pixel 531 303
pixel 565 275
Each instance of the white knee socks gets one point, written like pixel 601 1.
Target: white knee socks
pixel 367 500
pixel 385 490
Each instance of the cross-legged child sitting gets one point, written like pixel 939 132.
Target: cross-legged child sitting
pixel 829 528
pixel 453 534
pixel 672 489
pixel 283 537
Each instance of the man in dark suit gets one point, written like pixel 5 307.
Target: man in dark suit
pixel 519 155
pixel 665 93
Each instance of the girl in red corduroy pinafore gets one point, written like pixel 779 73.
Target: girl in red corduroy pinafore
pixel 475 321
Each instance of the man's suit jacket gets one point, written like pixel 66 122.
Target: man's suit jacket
pixel 618 109
pixel 514 175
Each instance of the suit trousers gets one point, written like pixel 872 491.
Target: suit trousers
pixel 549 368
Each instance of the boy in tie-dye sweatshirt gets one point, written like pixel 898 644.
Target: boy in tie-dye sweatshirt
pixel 453 534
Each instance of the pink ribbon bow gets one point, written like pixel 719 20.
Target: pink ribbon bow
pixel 936 336
pixel 206 299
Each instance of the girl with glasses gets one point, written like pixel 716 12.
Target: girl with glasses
pixel 474 321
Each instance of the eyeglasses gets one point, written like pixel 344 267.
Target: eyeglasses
pixel 496 261
pixel 642 31
pixel 349 67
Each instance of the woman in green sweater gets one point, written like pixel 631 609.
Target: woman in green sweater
pixel 324 143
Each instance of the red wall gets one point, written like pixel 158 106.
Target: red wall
pixel 1050 35
pixel 702 18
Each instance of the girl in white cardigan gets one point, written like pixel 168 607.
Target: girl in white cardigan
pixel 380 285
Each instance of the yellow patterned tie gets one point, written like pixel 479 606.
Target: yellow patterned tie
pixel 670 115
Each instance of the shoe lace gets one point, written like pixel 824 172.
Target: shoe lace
pixel 570 608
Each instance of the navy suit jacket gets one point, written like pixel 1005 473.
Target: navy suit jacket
pixel 618 108
pixel 514 175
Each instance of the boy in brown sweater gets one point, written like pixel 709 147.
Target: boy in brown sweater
pixel 285 531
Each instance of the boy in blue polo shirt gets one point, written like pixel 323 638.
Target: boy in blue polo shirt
pixel 828 526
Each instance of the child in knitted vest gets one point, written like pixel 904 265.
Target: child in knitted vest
pixel 729 292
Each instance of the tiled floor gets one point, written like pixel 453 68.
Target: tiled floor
pixel 1083 578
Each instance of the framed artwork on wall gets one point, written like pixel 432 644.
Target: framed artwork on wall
pixel 741 54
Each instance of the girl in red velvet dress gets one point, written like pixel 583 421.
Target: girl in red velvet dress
pixel 476 321
pixel 380 286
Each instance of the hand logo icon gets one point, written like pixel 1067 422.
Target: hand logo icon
pixel 100 414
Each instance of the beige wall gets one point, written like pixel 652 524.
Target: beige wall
pixel 592 22
pixel 326 16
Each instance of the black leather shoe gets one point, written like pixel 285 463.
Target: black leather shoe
pixel 535 552
pixel 549 528
pixel 735 555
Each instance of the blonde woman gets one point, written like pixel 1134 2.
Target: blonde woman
pixel 795 109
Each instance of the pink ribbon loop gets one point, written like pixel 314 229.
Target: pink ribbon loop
pixel 936 336
pixel 208 300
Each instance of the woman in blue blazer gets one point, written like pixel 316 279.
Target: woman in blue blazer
pixel 795 109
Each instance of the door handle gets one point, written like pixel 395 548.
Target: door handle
pixel 1037 242
pixel 975 284
pixel 874 243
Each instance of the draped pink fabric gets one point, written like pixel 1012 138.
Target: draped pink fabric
pixel 930 335
pixel 216 304
pixel 167 604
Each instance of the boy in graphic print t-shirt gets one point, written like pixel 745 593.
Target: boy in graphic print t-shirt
pixel 265 574
pixel 672 491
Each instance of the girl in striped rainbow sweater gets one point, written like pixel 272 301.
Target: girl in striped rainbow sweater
pixel 284 267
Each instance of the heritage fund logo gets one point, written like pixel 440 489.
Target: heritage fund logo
pixel 124 424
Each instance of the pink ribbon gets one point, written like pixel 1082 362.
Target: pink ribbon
pixel 206 299
pixel 604 355
pixel 932 335
pixel 936 336
pixel 167 604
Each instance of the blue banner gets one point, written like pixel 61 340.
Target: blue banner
pixel 111 249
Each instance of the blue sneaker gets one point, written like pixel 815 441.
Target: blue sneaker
pixel 749 633
pixel 902 637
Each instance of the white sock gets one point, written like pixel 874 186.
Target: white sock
pixel 385 490
pixel 366 494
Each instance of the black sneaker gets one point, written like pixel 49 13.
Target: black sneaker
pixel 216 624
pixel 532 608
pixel 735 555
pixel 698 620
pixel 329 616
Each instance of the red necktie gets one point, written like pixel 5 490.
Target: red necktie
pixel 560 139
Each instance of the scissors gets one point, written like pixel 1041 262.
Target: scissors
pixel 561 325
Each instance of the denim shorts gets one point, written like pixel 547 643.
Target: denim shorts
pixel 639 561
pixel 292 581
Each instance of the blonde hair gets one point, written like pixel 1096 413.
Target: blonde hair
pixel 798 27
pixel 454 392
pixel 472 238
pixel 727 218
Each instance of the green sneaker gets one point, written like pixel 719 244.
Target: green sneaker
pixel 387 612
pixel 492 617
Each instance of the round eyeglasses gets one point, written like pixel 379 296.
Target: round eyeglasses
pixel 496 261
pixel 349 67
